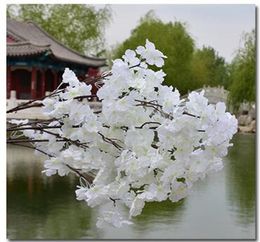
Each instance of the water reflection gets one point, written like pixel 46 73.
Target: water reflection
pixel 155 213
pixel 221 207
pixel 241 179
pixel 40 207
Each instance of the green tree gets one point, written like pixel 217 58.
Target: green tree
pixel 78 26
pixel 170 38
pixel 208 68
pixel 243 73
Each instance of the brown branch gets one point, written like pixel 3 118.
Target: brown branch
pixel 26 140
pixel 137 65
pixel 33 148
pixel 43 129
pixel 18 127
pixel 93 80
pixel 12 141
pixel 75 142
pixel 24 105
pixel 140 127
pixel 158 108
pixel 38 121
pixel 143 102
pixel 155 106
pixel 97 112
pixel 84 96
pixel 110 141
pixel 86 176
pixel 35 128
pixel 189 114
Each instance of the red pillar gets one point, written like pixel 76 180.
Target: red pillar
pixel 92 73
pixel 55 80
pixel 9 81
pixel 33 83
pixel 43 83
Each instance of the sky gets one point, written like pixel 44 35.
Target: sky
pixel 218 26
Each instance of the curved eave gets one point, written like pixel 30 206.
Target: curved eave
pixel 25 49
pixel 101 64
pixel 35 53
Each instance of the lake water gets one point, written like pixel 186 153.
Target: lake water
pixel 222 206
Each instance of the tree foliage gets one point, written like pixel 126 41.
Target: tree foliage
pixel 243 72
pixel 187 68
pixel 173 40
pixel 208 68
pixel 78 26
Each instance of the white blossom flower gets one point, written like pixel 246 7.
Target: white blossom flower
pixel 48 105
pixel 55 165
pixel 78 112
pixel 18 121
pixel 150 54
pixel 179 191
pixel 82 89
pixel 137 206
pixel 169 99
pixel 139 140
pixel 197 103
pixel 113 217
pixel 156 192
pixel 70 78
pixel 81 193
pixel 96 195
pixel 130 57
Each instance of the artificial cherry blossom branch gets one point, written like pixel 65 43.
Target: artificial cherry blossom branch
pixel 155 152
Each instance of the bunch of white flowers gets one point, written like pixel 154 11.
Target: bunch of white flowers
pixel 146 144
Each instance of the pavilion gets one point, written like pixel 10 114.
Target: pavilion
pixel 36 61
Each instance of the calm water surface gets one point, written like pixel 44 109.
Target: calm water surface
pixel 222 206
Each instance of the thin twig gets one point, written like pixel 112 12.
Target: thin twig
pixel 189 114
pixel 155 106
pixel 85 96
pixel 151 122
pixel 35 128
pixel 12 141
pixel 89 178
pixel 75 142
pixel 110 141
pixel 91 80
pixel 38 121
pixel 24 105
pixel 33 148
pixel 86 176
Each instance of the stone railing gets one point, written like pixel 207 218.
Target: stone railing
pixel 213 94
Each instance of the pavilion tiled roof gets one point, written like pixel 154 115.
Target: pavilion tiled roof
pixel 31 39
pixel 25 48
